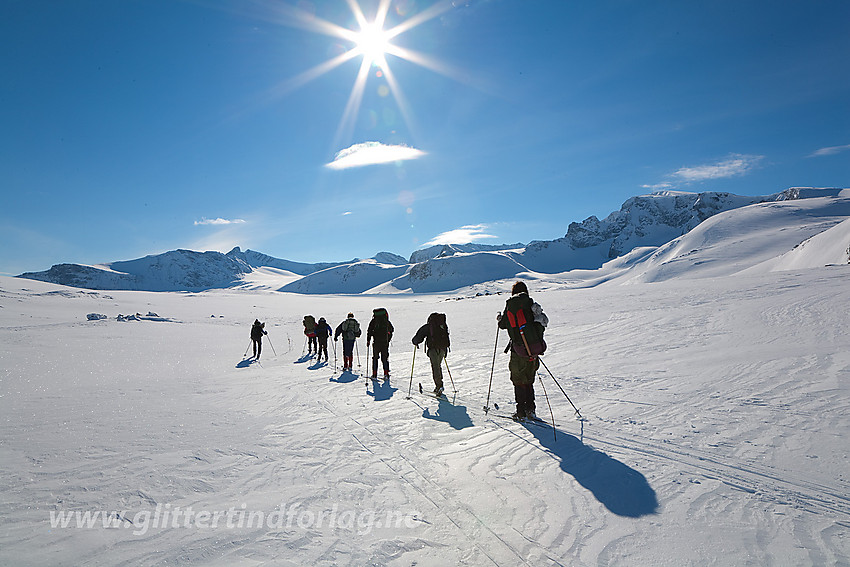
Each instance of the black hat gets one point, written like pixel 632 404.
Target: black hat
pixel 519 287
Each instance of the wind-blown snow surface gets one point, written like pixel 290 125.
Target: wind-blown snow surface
pixel 717 430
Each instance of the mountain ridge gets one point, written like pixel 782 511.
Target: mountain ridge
pixel 644 221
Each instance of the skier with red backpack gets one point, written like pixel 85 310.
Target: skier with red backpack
pixel 435 333
pixel 380 333
pixel 525 321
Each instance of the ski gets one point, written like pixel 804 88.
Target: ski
pixel 441 396
pixel 536 421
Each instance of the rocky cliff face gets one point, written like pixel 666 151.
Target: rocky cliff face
pixel 652 220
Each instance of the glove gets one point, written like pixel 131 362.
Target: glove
pixel 499 317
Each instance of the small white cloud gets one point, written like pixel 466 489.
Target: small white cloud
pixel 830 151
pixel 462 235
pixel 219 221
pixel 735 164
pixel 372 153
pixel 346 213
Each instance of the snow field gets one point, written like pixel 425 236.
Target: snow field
pixel 716 430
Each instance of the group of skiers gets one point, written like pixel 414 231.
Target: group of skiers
pixel 522 318
pixel 378 336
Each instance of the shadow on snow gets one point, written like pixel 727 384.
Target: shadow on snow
pixel 381 390
pixel 620 488
pixel 347 377
pixel 454 415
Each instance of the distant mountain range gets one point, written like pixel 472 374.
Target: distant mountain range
pixel 646 234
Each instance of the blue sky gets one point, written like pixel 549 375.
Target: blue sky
pixel 134 127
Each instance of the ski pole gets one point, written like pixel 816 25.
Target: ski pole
pixel 450 374
pixel 410 388
pixel 492 368
pixel 334 345
pixel 369 365
pixel 304 348
pixel 270 344
pixel 357 350
pixel 554 433
pixel 559 386
pixel 249 348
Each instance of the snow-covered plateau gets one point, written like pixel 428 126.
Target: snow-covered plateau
pixel 712 371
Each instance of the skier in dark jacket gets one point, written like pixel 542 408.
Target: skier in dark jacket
pixel 380 333
pixel 323 331
pixel 525 321
pixel 257 332
pixel 435 333
pixel 350 331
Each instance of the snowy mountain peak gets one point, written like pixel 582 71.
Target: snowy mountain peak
pixel 389 258
pixel 668 221
pixel 444 250
pixel 651 220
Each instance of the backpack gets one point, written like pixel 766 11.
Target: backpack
pixel 350 329
pixel 438 331
pixel 381 328
pixel 309 325
pixel 522 328
pixel 257 331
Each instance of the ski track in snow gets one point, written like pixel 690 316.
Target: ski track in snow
pixel 715 430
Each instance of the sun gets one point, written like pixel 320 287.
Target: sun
pixel 373 42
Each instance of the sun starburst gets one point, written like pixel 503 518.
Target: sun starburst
pixel 372 41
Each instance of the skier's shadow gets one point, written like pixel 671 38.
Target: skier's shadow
pixel 246 363
pixel 456 416
pixel 620 488
pixel 381 390
pixel 304 358
pixel 317 365
pixel 347 377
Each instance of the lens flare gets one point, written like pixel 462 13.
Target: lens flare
pixel 372 41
